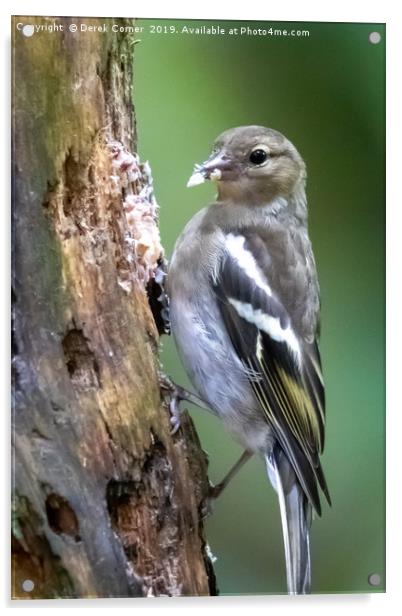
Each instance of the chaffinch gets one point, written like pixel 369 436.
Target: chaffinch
pixel 244 311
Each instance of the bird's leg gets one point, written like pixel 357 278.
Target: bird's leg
pixel 176 394
pixel 216 490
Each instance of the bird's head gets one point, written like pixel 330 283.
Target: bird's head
pixel 252 164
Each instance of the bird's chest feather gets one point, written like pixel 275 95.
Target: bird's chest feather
pixel 216 372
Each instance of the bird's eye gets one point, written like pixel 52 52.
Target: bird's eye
pixel 258 156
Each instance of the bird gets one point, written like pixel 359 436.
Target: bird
pixel 244 304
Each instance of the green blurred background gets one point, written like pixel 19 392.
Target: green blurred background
pixel 326 93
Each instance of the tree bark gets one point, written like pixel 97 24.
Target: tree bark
pixel 105 500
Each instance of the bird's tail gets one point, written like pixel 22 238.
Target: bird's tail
pixel 296 515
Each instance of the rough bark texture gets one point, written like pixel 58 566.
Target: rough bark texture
pixel 105 501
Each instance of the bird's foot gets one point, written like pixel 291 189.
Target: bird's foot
pixel 175 413
pixel 216 490
pixel 208 504
pixel 159 299
pixel 174 394
pixel 172 398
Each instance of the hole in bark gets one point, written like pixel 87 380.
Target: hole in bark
pixel 75 180
pixel 67 203
pixel 50 194
pixel 61 517
pixel 38 435
pixel 144 516
pixel 132 552
pixel 92 175
pixel 56 407
pixel 32 555
pixel 156 460
pixel 80 360
pixel 158 299
pixel 119 493
pixel 71 171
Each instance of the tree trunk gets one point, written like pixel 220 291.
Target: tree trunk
pixel 105 500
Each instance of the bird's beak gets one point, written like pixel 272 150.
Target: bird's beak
pixel 211 169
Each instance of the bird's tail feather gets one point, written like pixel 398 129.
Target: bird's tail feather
pixel 296 514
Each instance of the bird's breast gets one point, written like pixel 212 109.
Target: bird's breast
pixel 212 365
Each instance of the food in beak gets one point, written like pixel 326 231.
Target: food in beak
pixel 216 174
pixel 198 177
pixel 200 174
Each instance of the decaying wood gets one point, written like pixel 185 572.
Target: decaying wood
pixel 105 500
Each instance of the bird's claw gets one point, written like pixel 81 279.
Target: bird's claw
pixel 175 412
pixel 215 490
pixel 173 398
pixel 176 394
pixel 206 508
pixel 207 505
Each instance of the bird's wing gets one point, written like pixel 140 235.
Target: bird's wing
pixel 285 371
